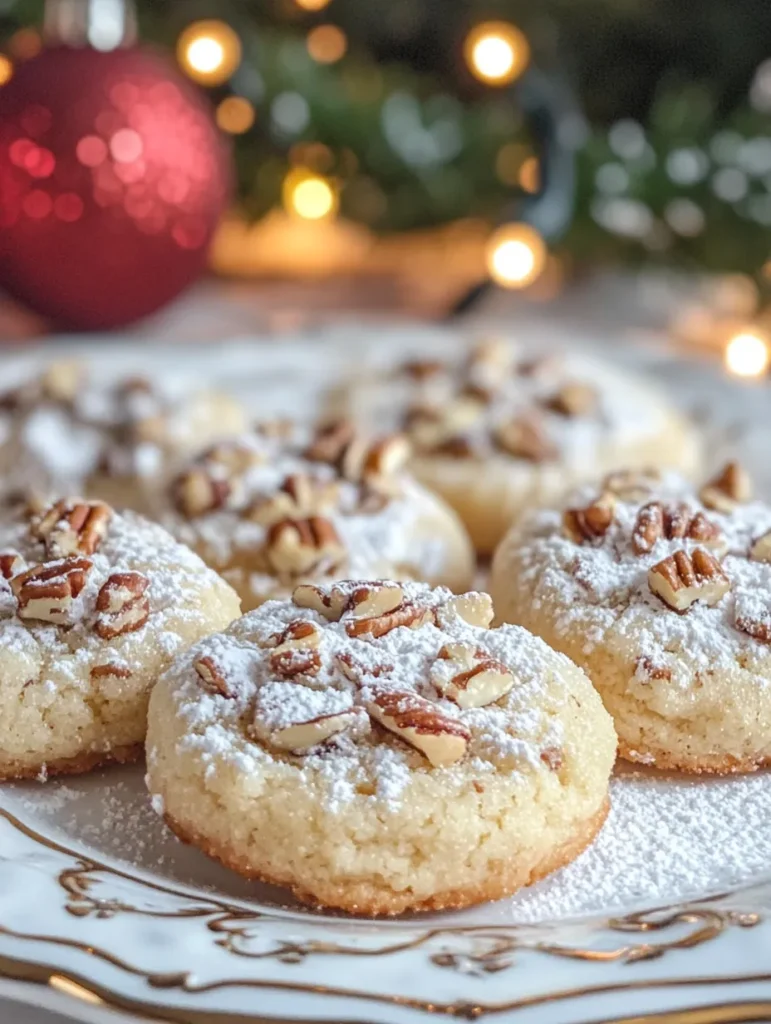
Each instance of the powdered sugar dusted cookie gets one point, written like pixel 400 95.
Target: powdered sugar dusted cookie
pixel 93 606
pixel 663 596
pixel 377 747
pixel 499 430
pixel 64 431
pixel 285 504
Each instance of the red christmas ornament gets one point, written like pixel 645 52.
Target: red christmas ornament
pixel 112 179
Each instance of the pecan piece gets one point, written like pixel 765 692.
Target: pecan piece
pixel 475 609
pixel 298 497
pixel 672 522
pixel 421 724
pixel 574 399
pixel 295 547
pixel 11 564
pixel 295 653
pixel 48 592
pixel 758 629
pixel 469 676
pixel 213 676
pixel 71 527
pixel 408 614
pixel 682 579
pixel 196 492
pixel 526 438
pixel 759 552
pixel 373 599
pixel 122 605
pixel 331 442
pixel 582 525
pixel 631 484
pixel 303 736
pixel 731 487
pixel 110 671
pixel 330 602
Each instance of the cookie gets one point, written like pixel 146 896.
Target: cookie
pixel 93 606
pixel 285 504
pixel 376 747
pixel 663 595
pixel 498 431
pixel 63 432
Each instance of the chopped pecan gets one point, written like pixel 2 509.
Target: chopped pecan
pixel 11 564
pixel 48 592
pixel 574 399
pixel 302 736
pixel 295 653
pixel 758 628
pixel 431 426
pixel 423 369
pixel 213 676
pixel 196 492
pixel 330 602
pixel 682 579
pixel 475 609
pixel 647 667
pixel 295 547
pixel 122 605
pixel 553 758
pixel 759 552
pixel 407 614
pixel 331 442
pixel 731 487
pixel 469 676
pixel 110 671
pixel 591 523
pixel 631 484
pixel 71 527
pixel 672 522
pixel 373 599
pixel 299 497
pixel 421 724
pixel 526 438
pixel 358 672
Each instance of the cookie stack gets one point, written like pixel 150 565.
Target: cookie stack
pixel 371 734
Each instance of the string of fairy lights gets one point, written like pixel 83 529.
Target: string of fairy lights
pixel 497 54
pixel 214 54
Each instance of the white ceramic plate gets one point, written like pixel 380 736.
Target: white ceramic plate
pixel 103 914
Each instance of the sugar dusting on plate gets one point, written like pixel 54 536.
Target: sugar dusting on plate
pixel 666 839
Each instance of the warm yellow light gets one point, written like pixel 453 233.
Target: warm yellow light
pixel 516 255
pixel 308 195
pixel 312 5
pixel 235 115
pixel 496 52
pixel 326 43
pixel 747 354
pixel 529 176
pixel 6 69
pixel 209 51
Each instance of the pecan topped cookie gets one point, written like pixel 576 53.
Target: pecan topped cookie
pixel 498 429
pixel 66 431
pixel 350 741
pixel 286 504
pixel 662 593
pixel 93 606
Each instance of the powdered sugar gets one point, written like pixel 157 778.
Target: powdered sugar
pixel 603 585
pixel 509 385
pixel 667 838
pixel 510 735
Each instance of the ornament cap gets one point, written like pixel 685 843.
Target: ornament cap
pixel 102 24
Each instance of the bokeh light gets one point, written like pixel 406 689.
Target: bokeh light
pixel 326 43
pixel 25 44
pixel 516 255
pixel 747 354
pixel 209 51
pixel 496 52
pixel 529 177
pixel 235 115
pixel 6 69
pixel 312 5
pixel 308 195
